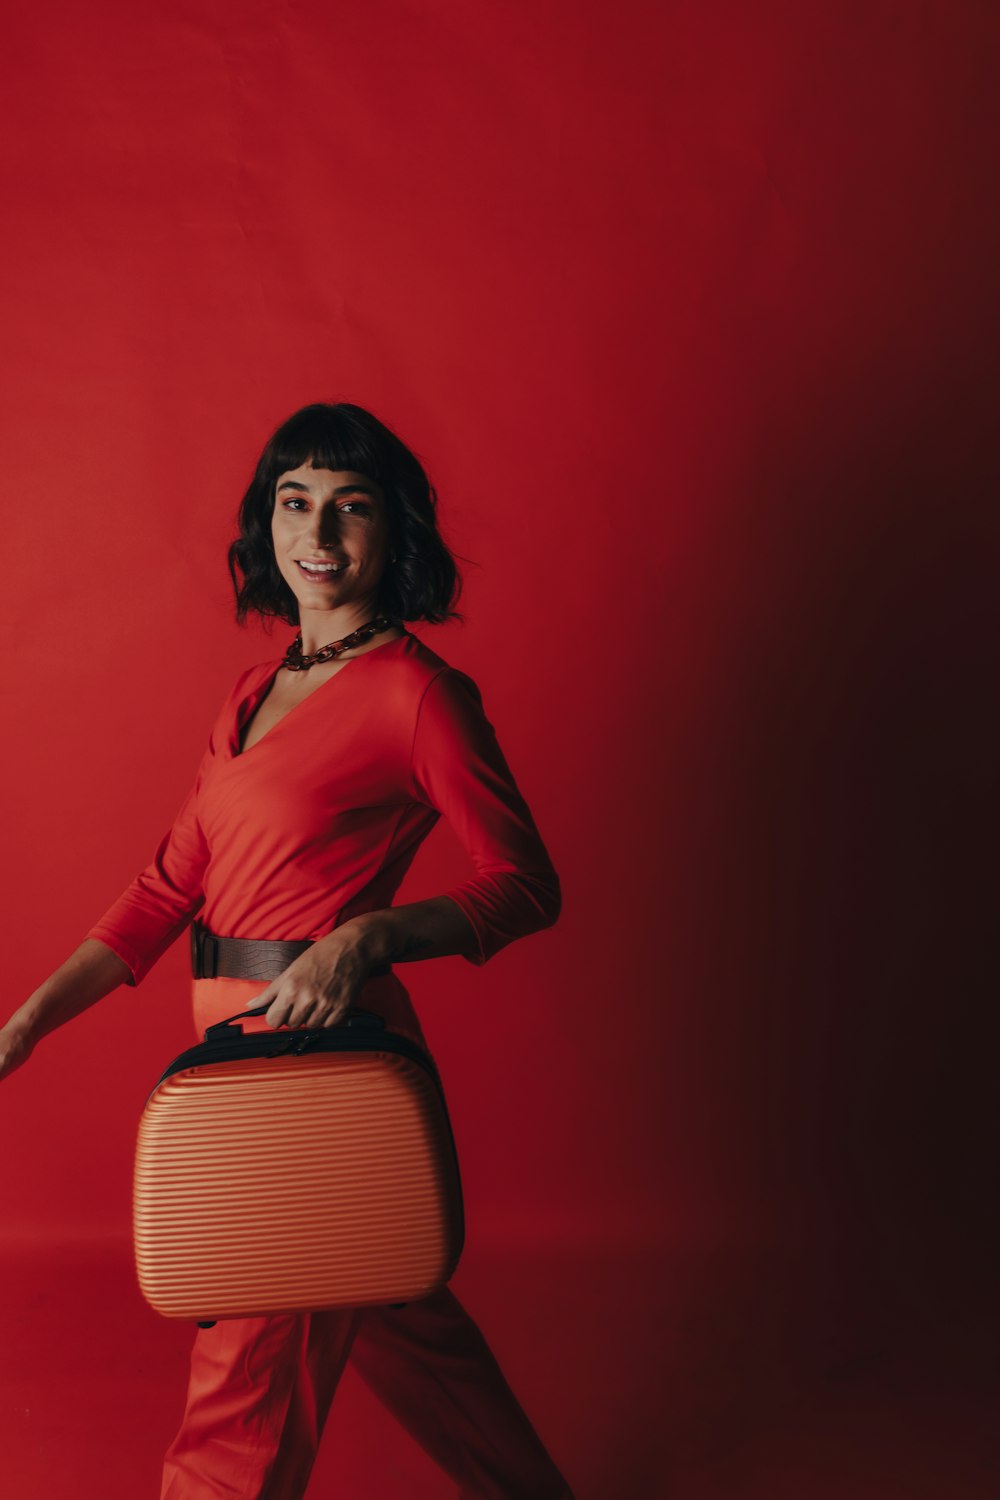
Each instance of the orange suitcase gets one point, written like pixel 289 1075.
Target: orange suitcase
pixel 295 1170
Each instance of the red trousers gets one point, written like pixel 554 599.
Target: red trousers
pixel 260 1389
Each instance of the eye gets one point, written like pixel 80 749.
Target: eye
pixel 360 505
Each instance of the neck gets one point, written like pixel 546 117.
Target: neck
pixel 321 626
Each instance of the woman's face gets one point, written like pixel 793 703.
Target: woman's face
pixel 333 516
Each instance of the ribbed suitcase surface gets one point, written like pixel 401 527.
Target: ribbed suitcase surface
pixel 292 1171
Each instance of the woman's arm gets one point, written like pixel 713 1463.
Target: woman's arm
pixel 457 768
pixel 90 973
pixel 127 940
pixel 322 983
pixel 434 928
pixel 156 907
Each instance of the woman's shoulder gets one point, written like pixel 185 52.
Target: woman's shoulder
pixel 418 658
pixel 418 665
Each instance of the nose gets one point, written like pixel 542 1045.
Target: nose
pixel 327 531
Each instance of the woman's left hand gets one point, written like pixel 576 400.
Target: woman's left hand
pixel 319 987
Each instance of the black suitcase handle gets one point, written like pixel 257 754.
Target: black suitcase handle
pixel 363 1019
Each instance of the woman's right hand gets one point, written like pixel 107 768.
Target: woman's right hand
pixel 16 1047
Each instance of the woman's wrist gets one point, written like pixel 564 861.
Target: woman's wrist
pixel 90 973
pixel 436 928
pixel 34 1019
pixel 19 1025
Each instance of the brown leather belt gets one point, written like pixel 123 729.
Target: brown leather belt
pixel 214 957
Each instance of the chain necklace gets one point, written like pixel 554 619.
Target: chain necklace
pixel 296 662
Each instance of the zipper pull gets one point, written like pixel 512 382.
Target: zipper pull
pixel 307 1040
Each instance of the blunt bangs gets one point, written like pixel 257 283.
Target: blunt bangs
pixel 327 438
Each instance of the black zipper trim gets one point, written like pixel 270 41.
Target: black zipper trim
pixel 256 1044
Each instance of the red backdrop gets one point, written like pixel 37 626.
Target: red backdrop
pixel 691 312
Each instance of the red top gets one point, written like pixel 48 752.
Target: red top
pixel 321 818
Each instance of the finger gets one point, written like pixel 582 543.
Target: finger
pixel 260 1001
pixel 285 1004
pixel 296 1011
pixel 310 1014
pixel 278 1014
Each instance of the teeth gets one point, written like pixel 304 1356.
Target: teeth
pixel 321 567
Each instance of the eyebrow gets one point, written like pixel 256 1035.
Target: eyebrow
pixel 344 489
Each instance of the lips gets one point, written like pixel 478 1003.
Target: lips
pixel 318 574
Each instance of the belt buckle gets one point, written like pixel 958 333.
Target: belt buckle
pixel 206 951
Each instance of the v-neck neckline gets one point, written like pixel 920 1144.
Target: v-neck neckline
pixel 249 705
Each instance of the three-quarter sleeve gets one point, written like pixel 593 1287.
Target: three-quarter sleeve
pixel 160 902
pixel 458 768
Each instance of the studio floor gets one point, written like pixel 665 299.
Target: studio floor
pixel 692 1375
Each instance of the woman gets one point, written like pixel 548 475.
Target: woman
pixel 308 806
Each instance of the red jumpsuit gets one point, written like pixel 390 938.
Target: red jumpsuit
pixel 315 823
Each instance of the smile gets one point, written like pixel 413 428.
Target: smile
pixel 319 572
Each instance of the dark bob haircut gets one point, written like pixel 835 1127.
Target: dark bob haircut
pixel 422 584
